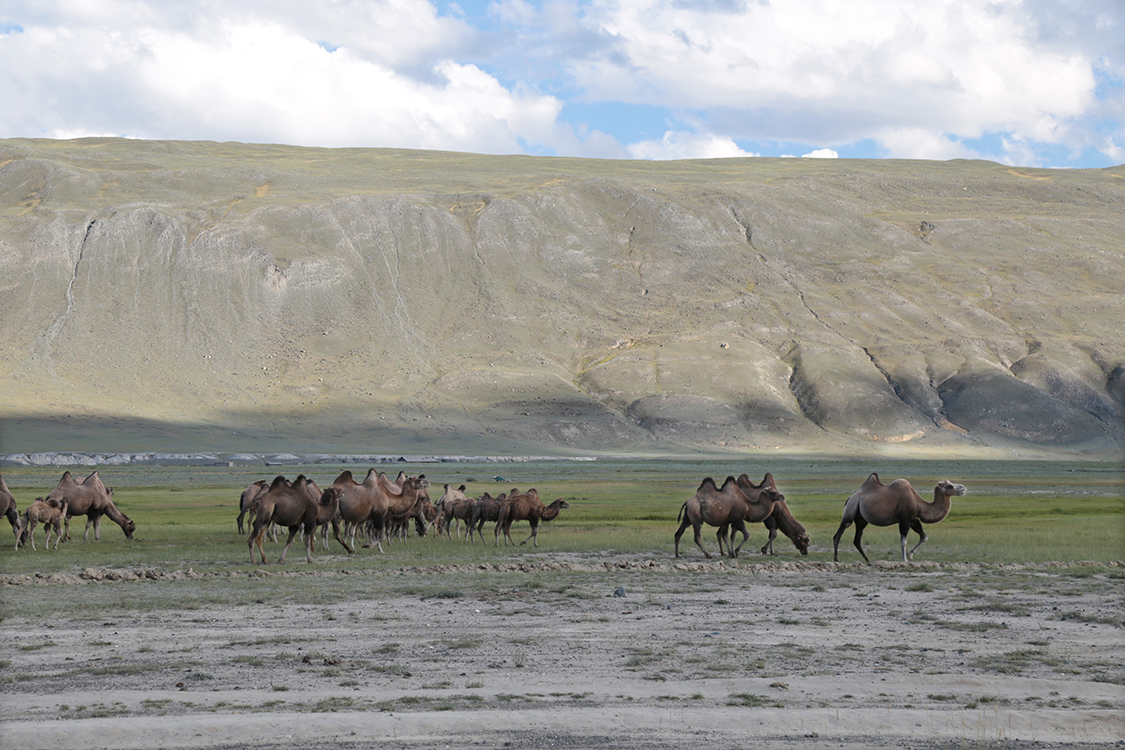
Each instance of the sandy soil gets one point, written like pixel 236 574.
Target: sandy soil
pixel 796 655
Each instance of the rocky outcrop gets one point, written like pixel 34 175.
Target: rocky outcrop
pixel 187 297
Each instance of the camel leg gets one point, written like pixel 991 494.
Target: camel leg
pixel 31 532
pixel 698 528
pixel 917 526
pixel 86 533
pixel 680 532
pixel 836 539
pixel 256 537
pixel 310 542
pixel 772 526
pixel 740 527
pixel 241 515
pixel 293 530
pixel 66 527
pixel 721 538
pixel 860 525
pixel 336 533
pixel 534 533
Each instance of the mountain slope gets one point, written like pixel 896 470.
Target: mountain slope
pixel 230 296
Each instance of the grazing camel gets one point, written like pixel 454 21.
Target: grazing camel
pixel 454 506
pixel 895 503
pixel 90 498
pixel 298 505
pixel 8 508
pixel 485 509
pixel 783 519
pixel 726 507
pixel 50 513
pixel 246 502
pixel 525 507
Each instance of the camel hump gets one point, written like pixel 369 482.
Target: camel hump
pixel 462 487
pixel 729 481
pixel 278 481
pixel 873 480
pixel 707 483
pixel 345 476
pixel 767 480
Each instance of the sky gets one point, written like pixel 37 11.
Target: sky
pixel 1038 83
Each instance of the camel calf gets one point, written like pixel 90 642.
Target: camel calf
pixel 50 513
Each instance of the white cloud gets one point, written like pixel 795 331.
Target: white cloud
pixel 683 145
pixel 821 153
pixel 252 79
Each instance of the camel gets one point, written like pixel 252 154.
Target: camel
pixel 454 506
pixel 299 505
pixel 485 509
pixel 376 500
pixel 896 503
pixel 726 507
pixel 783 519
pixel 398 521
pixel 90 498
pixel 8 508
pixel 246 502
pixel 50 513
pixel 525 507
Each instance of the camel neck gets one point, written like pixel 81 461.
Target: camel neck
pixel 937 510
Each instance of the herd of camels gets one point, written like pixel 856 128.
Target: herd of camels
pixel 381 508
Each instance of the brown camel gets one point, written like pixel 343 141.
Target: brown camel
pixel 780 517
pixel 896 503
pixel 298 505
pixel 50 513
pixel 485 509
pixel 246 502
pixel 453 507
pixel 8 508
pixel 783 519
pixel 376 501
pixel 525 506
pixel 90 498
pixel 726 507
pixel 398 522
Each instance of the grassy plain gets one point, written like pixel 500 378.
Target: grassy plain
pixel 1014 512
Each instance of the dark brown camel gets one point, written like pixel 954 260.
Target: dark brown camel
pixel 90 498
pixel 453 507
pixel 298 505
pixel 727 507
pixel 526 506
pixel 49 513
pixel 782 519
pixel 485 509
pixel 8 508
pixel 246 501
pixel 895 503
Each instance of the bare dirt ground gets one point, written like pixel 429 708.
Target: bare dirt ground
pixel 789 655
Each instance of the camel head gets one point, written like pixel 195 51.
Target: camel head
pixel 950 489
pixel 801 542
pixel 770 495
pixel 129 527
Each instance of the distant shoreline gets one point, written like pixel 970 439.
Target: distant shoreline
pixel 76 458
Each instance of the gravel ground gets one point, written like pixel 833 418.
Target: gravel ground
pixel 797 655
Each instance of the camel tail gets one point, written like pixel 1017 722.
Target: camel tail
pixel 680 515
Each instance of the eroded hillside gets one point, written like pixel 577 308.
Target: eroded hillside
pixel 226 296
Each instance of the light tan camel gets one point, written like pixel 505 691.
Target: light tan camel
pixel 453 508
pixel 782 519
pixel 50 513
pixel 727 507
pixel 246 502
pixel 376 501
pixel 485 509
pixel 8 508
pixel 895 503
pixel 298 505
pixel 92 499
pixel 526 506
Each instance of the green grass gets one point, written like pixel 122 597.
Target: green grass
pixel 1015 512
